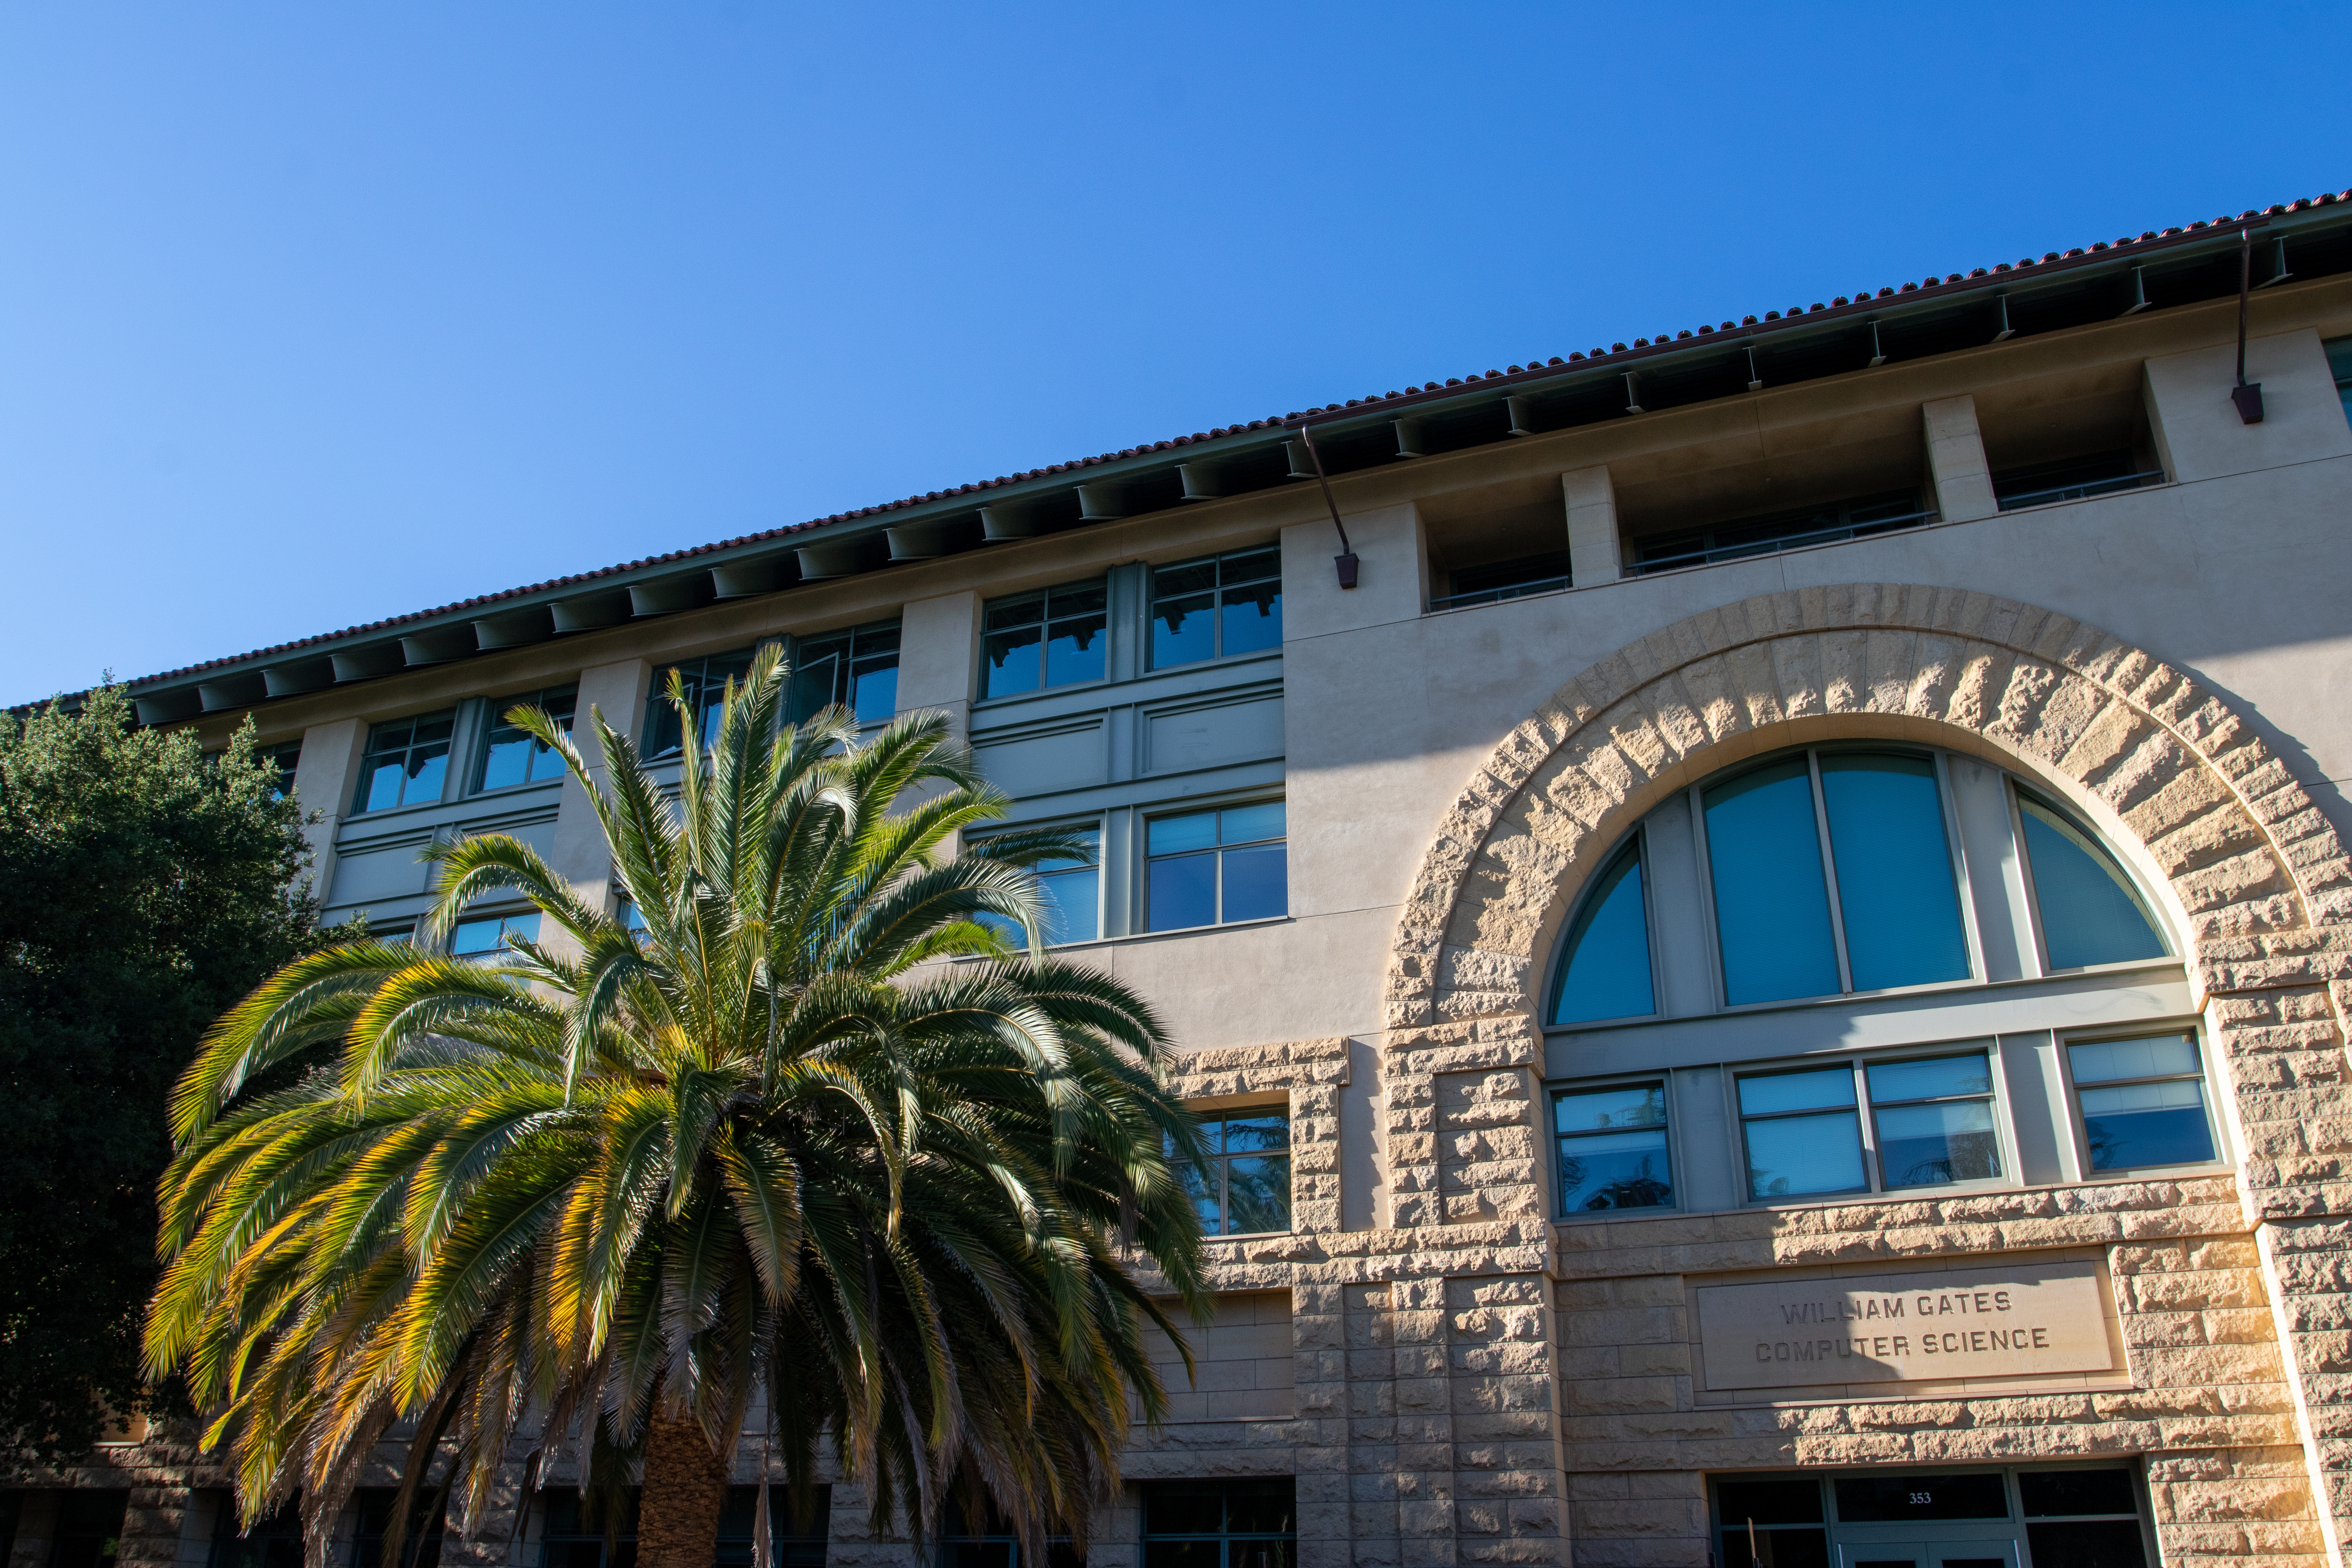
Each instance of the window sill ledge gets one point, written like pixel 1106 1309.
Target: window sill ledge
pixel 1956 1192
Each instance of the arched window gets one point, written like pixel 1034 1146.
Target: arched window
pixel 1843 869
pixel 2090 912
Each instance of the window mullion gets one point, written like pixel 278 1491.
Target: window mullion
pixel 1867 1117
pixel 1828 869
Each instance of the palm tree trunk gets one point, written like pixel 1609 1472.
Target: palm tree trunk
pixel 685 1487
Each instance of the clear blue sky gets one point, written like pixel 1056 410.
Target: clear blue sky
pixel 312 314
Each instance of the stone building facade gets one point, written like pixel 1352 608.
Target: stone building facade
pixel 2004 545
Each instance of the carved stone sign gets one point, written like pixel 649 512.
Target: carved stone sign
pixel 2011 1321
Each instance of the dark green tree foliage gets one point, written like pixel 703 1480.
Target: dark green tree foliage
pixel 143 889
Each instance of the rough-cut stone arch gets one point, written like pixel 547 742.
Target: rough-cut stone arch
pixel 2253 870
pixel 2260 875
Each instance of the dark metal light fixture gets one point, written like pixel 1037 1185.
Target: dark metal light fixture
pixel 2249 398
pixel 1346 560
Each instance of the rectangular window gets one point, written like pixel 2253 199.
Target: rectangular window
pixel 1613 1148
pixel 2086 1517
pixel 1220 1524
pixel 1245 1187
pixel 1054 636
pixel 1214 867
pixel 285 758
pixel 1072 890
pixel 1934 1120
pixel 706 684
pixel 794 1544
pixel 2142 1103
pixel 513 757
pixel 272 1542
pixel 420 1545
pixel 1216 607
pixel 2339 365
pixel 988 1542
pixel 856 669
pixel 406 761
pixel 485 939
pixel 578 1535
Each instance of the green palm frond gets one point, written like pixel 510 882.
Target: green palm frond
pixel 817 1133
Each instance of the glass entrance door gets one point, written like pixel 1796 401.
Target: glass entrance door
pixel 2069 1516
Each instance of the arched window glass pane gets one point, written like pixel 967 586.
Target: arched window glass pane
pixel 1771 907
pixel 1894 882
pixel 1604 971
pixel 2090 911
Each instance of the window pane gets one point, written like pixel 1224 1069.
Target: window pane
pixel 2090 911
pixel 1257 882
pixel 510 758
pixel 1811 1091
pixel 1925 1145
pixel 2147 1124
pixel 1009 662
pixel 1169 834
pixel 1194 577
pixel 2103 1061
pixel 1608 1109
pixel 1250 567
pixel 1256 1134
pixel 1258 1194
pixel 1605 972
pixel 1896 889
pixel 1074 651
pixel 1792 1156
pixel 1246 824
pixel 382 786
pixel 2060 1492
pixel 426 765
pixel 1780 1547
pixel 1182 630
pixel 1771 908
pixel 1028 610
pixel 1873 1499
pixel 1935 1078
pixel 874 690
pixel 1770 1502
pixel 1262 1510
pixel 1073 905
pixel 1253 618
pixel 1183 892
pixel 1615 1171
pixel 2091 1543
pixel 474 937
pixel 814 680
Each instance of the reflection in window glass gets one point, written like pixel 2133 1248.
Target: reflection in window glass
pixel 1054 636
pixel 485 938
pixel 1071 890
pixel 1612 1149
pixel 1911 1494
pixel 1895 891
pixel 407 761
pixel 1604 972
pixel 705 681
pixel 856 669
pixel 1803 1132
pixel 1229 1524
pixel 1244 1188
pixel 1217 608
pixel 1781 1517
pixel 2090 913
pixel 1935 1120
pixel 1771 906
pixel 513 757
pixel 2142 1101
pixel 1212 868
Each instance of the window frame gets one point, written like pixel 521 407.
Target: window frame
pixel 1225 1538
pixel 367 752
pixel 1637 841
pixel 502 914
pixel 1851 1540
pixel 1867 1121
pixel 844 673
pixel 2077 1136
pixel 1091 822
pixel 1217 591
pixel 1555 1092
pixel 1100 582
pixel 494 719
pixel 1172 810
pixel 705 698
pixel 2150 906
pixel 1221 1162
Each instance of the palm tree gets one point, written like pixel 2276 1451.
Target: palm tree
pixel 764 1150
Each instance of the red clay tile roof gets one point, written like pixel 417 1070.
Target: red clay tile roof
pixel 1595 355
